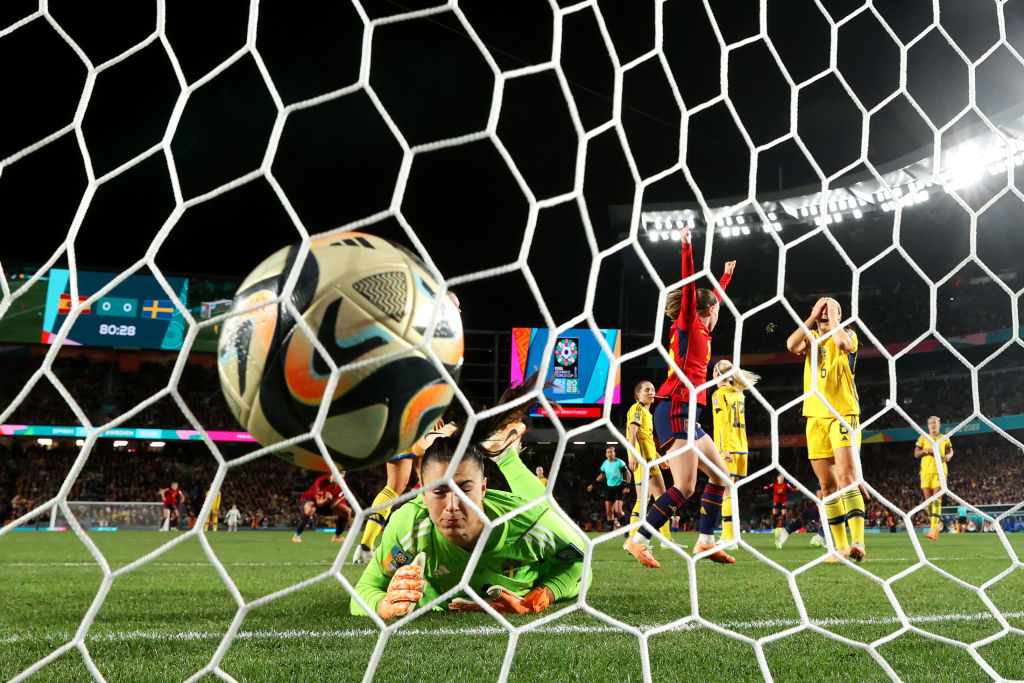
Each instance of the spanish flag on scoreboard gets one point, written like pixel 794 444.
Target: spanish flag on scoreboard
pixel 157 309
pixel 64 305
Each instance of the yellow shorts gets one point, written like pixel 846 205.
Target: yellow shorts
pixel 738 466
pixel 825 435
pixel 653 471
pixel 930 480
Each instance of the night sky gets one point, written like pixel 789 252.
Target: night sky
pixel 338 161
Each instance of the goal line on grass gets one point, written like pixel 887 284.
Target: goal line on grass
pixel 119 636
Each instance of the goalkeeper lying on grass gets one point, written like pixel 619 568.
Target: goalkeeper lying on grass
pixel 528 562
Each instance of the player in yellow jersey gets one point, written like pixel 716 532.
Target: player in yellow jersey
pixel 728 408
pixel 930 484
pixel 214 512
pixel 540 475
pixel 829 367
pixel 640 434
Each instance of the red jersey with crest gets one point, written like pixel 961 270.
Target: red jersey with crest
pixel 689 342
pixel 171 496
pixel 323 487
pixel 779 492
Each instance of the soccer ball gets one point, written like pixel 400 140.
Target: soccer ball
pixel 369 302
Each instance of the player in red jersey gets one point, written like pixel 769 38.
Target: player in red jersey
pixel 694 313
pixel 324 497
pixel 780 490
pixel 172 497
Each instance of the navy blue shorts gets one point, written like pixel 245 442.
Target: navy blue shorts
pixel 670 417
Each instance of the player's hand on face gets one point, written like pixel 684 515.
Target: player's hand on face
pixel 819 306
pixel 832 306
pixel 404 590
pixel 730 266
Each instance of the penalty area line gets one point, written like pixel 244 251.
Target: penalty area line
pixel 290 634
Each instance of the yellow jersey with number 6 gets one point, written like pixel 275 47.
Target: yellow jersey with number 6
pixel 833 377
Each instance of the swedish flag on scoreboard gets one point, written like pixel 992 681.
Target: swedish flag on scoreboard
pixel 158 309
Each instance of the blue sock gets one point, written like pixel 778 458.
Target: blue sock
pixel 711 508
pixel 794 525
pixel 663 508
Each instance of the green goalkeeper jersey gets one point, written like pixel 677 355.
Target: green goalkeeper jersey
pixel 537 547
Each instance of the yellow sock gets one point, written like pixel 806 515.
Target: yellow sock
pixel 375 522
pixel 836 511
pixel 855 515
pixel 935 509
pixel 666 530
pixel 727 518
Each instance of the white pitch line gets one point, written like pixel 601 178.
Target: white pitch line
pixel 491 630
pixel 627 560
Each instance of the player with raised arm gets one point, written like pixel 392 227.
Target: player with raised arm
pixel 324 498
pixel 694 313
pixel 930 484
pixel 830 445
pixel 730 420
pixel 173 497
pixel 528 562
pixel 640 434
pixel 233 518
pixel 780 497
pixel 615 474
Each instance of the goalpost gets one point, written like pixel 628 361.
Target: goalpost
pixel 680 152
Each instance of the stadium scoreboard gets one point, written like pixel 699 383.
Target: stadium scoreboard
pixel 577 371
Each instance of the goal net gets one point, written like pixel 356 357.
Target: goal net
pixel 542 158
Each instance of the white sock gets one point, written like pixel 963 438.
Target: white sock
pixel 641 539
pixel 706 539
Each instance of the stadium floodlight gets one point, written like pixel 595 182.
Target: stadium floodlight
pixel 857 213
pixel 43 441
pixel 778 227
pixel 728 220
pixel 837 218
pixel 772 216
pixel 735 231
pixel 680 224
pixel 831 207
pixel 653 236
pixel 814 209
pixel 157 444
pixel 675 235
pixel 741 220
pixel 725 232
pixel 665 235
pixel 79 442
pixel 579 443
pixel 804 212
pixel 120 443
pixel 745 229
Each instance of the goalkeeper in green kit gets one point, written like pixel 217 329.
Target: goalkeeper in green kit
pixel 528 562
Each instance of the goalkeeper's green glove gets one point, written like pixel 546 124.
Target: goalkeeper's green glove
pixel 504 602
pixel 404 590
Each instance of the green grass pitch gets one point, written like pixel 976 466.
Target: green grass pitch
pixel 165 620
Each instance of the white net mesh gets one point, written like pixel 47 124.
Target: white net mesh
pixel 633 104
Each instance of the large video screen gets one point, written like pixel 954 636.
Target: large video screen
pixel 578 368
pixel 137 313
